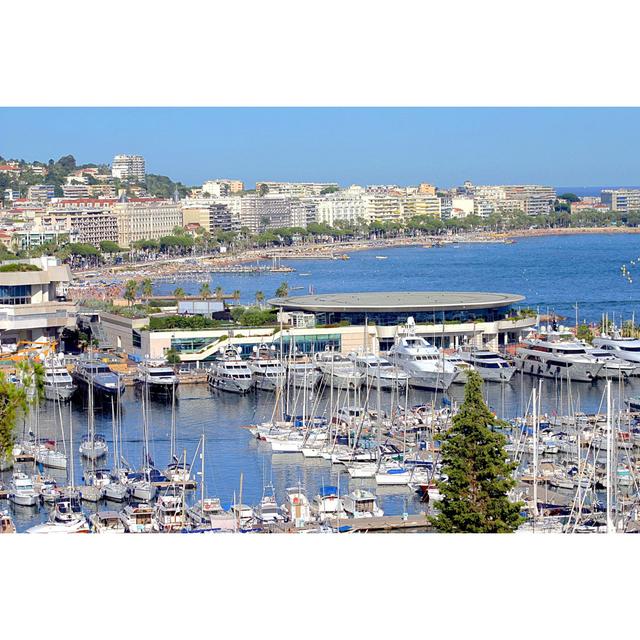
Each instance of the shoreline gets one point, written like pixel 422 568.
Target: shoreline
pixel 338 250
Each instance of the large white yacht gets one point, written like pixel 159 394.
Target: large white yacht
pixel 379 371
pixel 268 372
pixel 623 348
pixel 338 371
pixel 614 367
pixel 58 383
pixel 490 365
pixel 157 376
pixel 302 371
pixel 230 373
pixel 555 353
pixel 426 366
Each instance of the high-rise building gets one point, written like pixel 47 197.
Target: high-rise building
pixel 128 168
pixel 39 192
pixel 211 216
pixel 146 219
pixel 294 189
pixel 421 204
pixel 621 199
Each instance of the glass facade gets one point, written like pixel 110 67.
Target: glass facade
pixel 393 318
pixel 19 294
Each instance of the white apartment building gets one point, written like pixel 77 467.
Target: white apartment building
pixel 295 189
pixel 126 167
pixel 222 187
pixel 347 205
pixel 383 207
pixel 461 207
pixel 39 192
pixel 421 204
pixel 146 219
pixel 621 199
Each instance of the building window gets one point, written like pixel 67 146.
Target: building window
pixel 20 294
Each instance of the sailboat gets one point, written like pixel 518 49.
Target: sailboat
pixel 93 445
pixel 115 490
pixel 177 470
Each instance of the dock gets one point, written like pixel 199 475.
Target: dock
pixel 415 522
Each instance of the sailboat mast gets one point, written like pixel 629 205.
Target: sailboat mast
pixel 610 526
pixel 535 455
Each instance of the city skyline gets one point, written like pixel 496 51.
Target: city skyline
pixel 444 146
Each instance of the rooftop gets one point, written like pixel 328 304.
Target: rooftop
pixel 398 301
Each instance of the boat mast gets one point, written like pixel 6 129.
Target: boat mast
pixel 535 456
pixel 610 525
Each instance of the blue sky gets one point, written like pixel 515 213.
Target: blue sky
pixel 444 146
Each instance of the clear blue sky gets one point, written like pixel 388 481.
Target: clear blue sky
pixel 444 146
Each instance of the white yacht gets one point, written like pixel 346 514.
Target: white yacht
pixel 338 371
pixel 302 371
pixel 328 504
pixel 157 376
pixel 425 365
pixel 462 367
pixel 379 371
pixel 230 372
pixel 268 372
pixel 58 383
pixel 107 522
pixel 490 365
pixel 22 491
pixel 557 354
pixel 623 348
pixel 66 517
pixel 614 367
pixel 361 503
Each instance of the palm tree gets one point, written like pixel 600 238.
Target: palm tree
pixel 219 292
pixel 236 294
pixel 179 293
pixel 130 288
pixel 259 298
pixel 205 290
pixel 146 288
pixel 283 290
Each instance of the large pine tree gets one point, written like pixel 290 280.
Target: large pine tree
pixel 479 473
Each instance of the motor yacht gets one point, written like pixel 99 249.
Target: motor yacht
pixel 268 372
pixel 58 383
pixel 426 366
pixel 22 491
pixel 157 377
pixel 361 503
pixel 66 517
pixel 302 371
pixel 557 354
pixel 491 366
pixel 338 371
pixel 623 348
pixel 107 522
pixel 614 366
pixel 462 367
pixel 230 372
pixel 296 507
pixel 379 371
pixel 99 376
pixel 328 504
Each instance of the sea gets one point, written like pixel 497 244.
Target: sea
pixel 554 273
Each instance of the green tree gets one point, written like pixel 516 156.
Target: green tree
pixel 205 290
pixel 130 291
pixel 259 298
pixel 219 292
pixel 13 404
pixel 179 293
pixel 109 246
pixel 236 294
pixel 584 333
pixel 478 472
pixel 146 288
pixel 282 291
pixel 173 357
